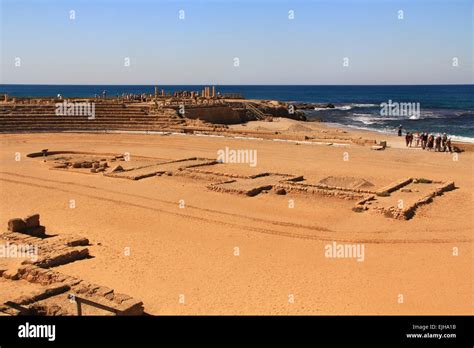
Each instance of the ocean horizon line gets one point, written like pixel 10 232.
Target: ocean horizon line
pixel 443 108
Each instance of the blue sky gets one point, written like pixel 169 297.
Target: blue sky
pixel 91 49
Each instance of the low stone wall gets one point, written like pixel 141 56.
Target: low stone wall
pixel 410 211
pixel 364 142
pixel 216 114
pixel 394 186
pixel 315 190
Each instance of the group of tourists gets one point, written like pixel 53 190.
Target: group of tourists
pixel 430 142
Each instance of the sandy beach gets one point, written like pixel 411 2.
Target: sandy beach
pixel 184 249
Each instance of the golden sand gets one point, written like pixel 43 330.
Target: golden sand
pixel 183 248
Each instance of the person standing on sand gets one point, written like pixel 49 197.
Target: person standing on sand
pixel 400 127
pixel 443 141
pixel 438 143
pixel 417 139
pixel 448 144
pixel 409 139
pixel 430 142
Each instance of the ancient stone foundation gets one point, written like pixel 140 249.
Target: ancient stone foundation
pixel 44 290
pixel 401 199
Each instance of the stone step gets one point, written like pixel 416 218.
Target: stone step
pixel 55 119
pixel 105 129
pixel 87 122
pixel 57 294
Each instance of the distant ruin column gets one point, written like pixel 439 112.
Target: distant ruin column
pixel 156 92
pixel 213 91
pixel 163 92
pixel 5 99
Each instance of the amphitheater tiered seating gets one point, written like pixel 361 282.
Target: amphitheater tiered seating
pixel 108 116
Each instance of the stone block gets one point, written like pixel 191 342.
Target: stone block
pixel 39 231
pixel 32 220
pixel 16 225
pixel 131 307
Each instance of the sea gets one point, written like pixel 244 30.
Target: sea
pixel 442 108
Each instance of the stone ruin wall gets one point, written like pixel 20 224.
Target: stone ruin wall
pixel 217 114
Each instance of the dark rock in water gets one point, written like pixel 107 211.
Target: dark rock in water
pixel 312 106
pixel 304 106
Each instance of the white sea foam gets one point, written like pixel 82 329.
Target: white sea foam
pixel 320 109
pixel 364 105
pixel 462 139
pixel 344 107
pixel 365 118
pixel 348 107
pixel 341 107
